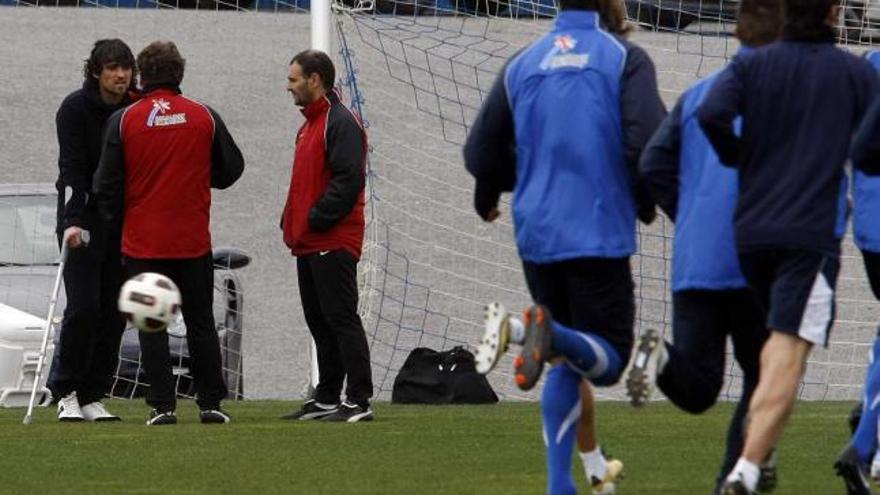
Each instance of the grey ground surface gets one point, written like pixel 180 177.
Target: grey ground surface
pixel 430 265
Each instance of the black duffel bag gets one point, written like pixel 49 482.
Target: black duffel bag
pixel 447 377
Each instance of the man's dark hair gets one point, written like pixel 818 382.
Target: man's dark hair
pixel 806 18
pixel 759 22
pixel 578 5
pixel 108 51
pixel 160 63
pixel 316 62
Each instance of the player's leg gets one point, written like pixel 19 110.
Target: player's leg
pixel 860 452
pixel 155 354
pixel 745 323
pixel 195 279
pixel 602 474
pixel 560 409
pixel 560 401
pixel 335 276
pixel 77 337
pixel 801 312
pixel 109 329
pixel 331 373
pixel 601 299
pixel 693 371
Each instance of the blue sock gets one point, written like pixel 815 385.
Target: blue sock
pixel 590 355
pixel 865 437
pixel 561 409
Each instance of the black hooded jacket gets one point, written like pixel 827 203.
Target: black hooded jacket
pixel 80 125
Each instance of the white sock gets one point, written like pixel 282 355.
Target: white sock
pixel 517 330
pixel 594 463
pixel 747 472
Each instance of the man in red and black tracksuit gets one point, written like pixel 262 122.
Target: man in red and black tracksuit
pixel 161 157
pixel 88 347
pixel 323 224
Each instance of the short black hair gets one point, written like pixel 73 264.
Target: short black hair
pixel 161 63
pixel 107 51
pixel 316 62
pixel 578 5
pixel 759 22
pixel 807 17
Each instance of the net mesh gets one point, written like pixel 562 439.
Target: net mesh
pixel 417 72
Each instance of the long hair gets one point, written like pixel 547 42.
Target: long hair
pixel 613 16
pixel 107 51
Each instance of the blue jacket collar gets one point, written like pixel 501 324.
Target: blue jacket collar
pixel 579 19
pixel 745 50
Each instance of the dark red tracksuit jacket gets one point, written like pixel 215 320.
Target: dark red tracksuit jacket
pixel 325 202
pixel 161 156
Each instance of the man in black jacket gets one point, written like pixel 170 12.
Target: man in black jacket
pixel 88 352
pixel 800 100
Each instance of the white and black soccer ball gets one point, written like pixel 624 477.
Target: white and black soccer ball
pixel 150 301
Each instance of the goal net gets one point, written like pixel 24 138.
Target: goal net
pixel 416 71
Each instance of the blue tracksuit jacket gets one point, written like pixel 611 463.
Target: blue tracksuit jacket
pixel 563 127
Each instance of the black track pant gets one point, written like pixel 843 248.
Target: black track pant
pixel 87 352
pixel 329 294
pixel 694 374
pixel 195 279
pixel 872 268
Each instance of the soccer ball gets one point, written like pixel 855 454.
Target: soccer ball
pixel 150 301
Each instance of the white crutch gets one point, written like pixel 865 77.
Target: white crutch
pixel 49 323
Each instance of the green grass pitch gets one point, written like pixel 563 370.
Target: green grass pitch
pixel 407 450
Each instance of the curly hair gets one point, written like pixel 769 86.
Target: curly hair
pixel 161 63
pixel 108 51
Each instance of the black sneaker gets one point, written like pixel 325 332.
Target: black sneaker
pixel 855 416
pixel 769 478
pixel 735 488
pixel 214 416
pixel 350 413
pixel 536 348
pixel 162 418
pixel 853 472
pixel 312 410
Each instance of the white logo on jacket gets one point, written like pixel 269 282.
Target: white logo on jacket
pixel 158 118
pixel 559 56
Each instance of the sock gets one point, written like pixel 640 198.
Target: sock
pixel 865 437
pixel 561 409
pixel 517 330
pixel 594 464
pixel 591 355
pixel 747 472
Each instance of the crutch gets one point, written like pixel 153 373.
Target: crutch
pixel 52 302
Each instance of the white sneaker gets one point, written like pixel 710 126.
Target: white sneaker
pixel 607 485
pixel 496 334
pixel 69 410
pixel 96 411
